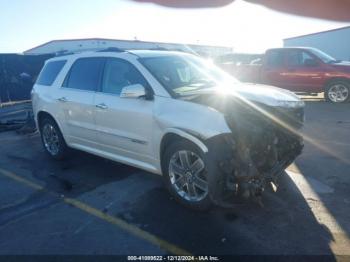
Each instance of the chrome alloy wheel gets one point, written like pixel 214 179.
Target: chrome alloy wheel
pixel 187 176
pixel 338 93
pixel 50 138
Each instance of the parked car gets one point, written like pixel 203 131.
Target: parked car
pixel 301 70
pixel 172 114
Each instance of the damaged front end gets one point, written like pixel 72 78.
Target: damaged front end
pixel 264 141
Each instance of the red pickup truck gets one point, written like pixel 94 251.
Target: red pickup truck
pixel 302 70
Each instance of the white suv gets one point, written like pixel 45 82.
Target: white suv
pixel 172 114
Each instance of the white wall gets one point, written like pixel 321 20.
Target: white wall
pixel 336 43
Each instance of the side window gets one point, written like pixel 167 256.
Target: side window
pixel 298 58
pixel 275 58
pixel 85 74
pixel 118 74
pixel 50 72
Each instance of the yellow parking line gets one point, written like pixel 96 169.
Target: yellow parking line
pixel 163 244
pixel 20 179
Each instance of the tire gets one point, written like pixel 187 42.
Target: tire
pixel 190 190
pixel 337 92
pixel 52 139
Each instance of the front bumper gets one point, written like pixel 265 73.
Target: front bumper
pixel 257 151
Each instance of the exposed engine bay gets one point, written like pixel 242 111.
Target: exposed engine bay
pixel 264 141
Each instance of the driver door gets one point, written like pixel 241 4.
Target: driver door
pixel 303 71
pixel 124 125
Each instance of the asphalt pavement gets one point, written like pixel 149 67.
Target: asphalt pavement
pixel 88 205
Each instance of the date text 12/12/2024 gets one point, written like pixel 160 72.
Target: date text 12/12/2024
pixel 173 258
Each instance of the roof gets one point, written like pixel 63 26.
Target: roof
pixel 291 47
pixel 317 33
pixel 120 40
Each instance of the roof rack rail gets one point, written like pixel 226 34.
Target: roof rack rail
pixel 58 54
pixel 112 49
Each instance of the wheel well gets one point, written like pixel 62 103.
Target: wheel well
pixel 42 115
pixel 167 140
pixel 335 80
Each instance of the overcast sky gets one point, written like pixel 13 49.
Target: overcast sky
pixel 243 26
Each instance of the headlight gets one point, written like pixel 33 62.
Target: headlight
pixel 291 104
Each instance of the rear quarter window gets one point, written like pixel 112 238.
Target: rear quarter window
pixel 50 72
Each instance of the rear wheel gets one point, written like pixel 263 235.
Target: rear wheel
pixel 337 92
pixel 52 139
pixel 185 175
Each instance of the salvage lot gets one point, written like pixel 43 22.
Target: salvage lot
pixel 88 205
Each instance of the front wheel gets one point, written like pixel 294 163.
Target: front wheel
pixel 185 175
pixel 337 92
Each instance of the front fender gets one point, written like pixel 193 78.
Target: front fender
pixel 185 134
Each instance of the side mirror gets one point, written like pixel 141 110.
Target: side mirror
pixel 133 91
pixel 310 62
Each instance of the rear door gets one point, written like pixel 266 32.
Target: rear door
pixel 124 125
pixel 273 69
pixel 77 100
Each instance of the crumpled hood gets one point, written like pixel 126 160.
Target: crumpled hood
pixel 268 95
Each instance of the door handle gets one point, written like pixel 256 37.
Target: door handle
pixel 102 106
pixel 62 99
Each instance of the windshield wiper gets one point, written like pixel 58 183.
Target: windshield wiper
pixel 202 83
pixel 189 89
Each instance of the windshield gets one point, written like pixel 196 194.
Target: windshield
pixel 183 73
pixel 323 56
